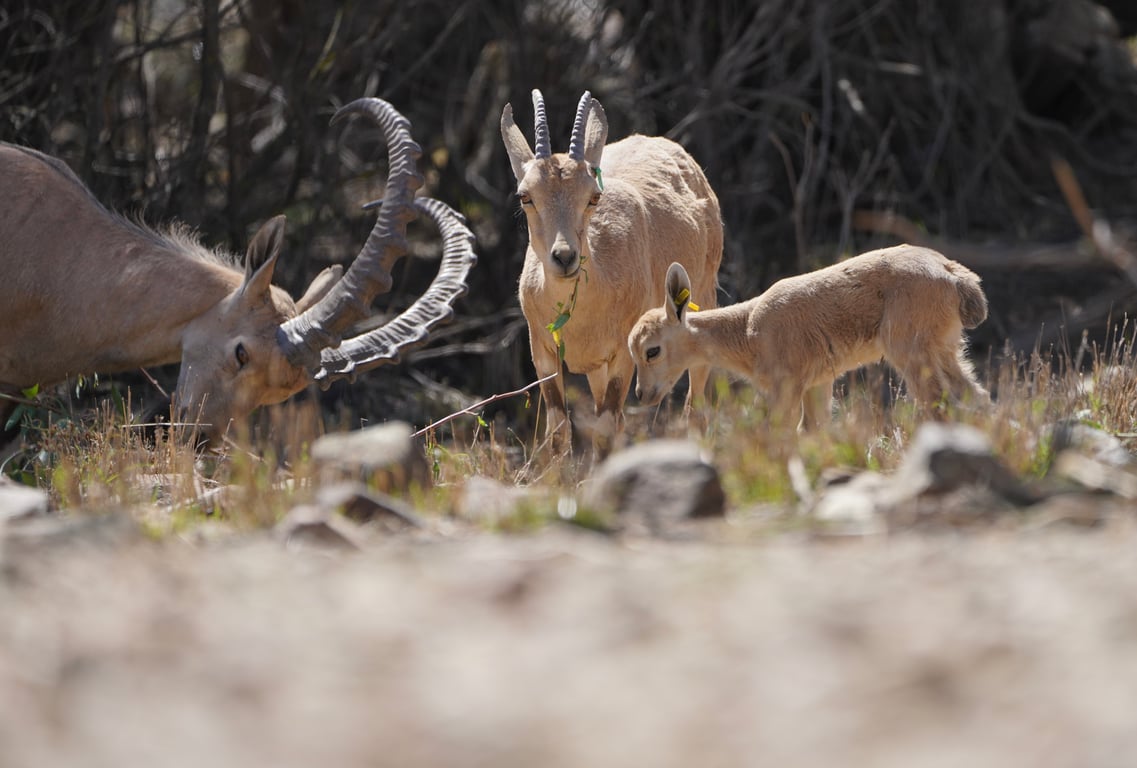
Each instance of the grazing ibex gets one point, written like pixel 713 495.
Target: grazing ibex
pixel 84 290
pixel 905 304
pixel 601 235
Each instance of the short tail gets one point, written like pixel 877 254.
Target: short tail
pixel 972 301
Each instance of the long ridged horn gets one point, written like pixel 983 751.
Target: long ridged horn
pixel 542 147
pixel 411 327
pixel 322 325
pixel 576 143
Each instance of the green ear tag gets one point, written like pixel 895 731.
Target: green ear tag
pixel 599 178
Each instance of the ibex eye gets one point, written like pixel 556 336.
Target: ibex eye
pixel 525 199
pixel 242 355
pixel 652 353
pixel 595 200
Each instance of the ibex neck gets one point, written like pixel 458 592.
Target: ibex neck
pixel 718 337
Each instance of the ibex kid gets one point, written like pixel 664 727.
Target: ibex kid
pixel 905 304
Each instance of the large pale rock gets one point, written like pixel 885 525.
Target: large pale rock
pixel 949 475
pixel 19 501
pixel 386 457
pixel 945 457
pixel 658 482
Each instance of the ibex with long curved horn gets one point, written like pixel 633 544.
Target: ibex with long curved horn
pixel 85 290
pixel 601 237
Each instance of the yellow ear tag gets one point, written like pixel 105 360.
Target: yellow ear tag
pixel 685 295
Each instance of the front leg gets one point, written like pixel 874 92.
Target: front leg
pixel 558 430
pixel 609 385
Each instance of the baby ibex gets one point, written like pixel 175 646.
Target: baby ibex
pixel 905 304
pixel 600 239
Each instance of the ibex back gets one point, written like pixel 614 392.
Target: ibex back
pixel 88 291
pixel 906 304
pixel 604 233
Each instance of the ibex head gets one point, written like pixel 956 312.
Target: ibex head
pixel 558 192
pixel 659 339
pixel 257 347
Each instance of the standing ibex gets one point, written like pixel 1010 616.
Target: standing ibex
pixel 84 290
pixel 905 304
pixel 600 238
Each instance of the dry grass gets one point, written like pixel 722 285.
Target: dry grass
pixel 91 462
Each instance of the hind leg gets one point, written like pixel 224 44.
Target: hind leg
pixel 817 406
pixel 959 380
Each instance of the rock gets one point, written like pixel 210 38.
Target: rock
pixel 945 457
pixel 1095 443
pixel 311 528
pixel 658 482
pixel 1095 475
pixel 488 502
pixel 386 457
pixel 949 476
pixel 18 502
pixel 855 506
pixel 355 502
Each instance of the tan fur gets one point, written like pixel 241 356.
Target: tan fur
pixel 86 291
pixel 905 304
pixel 656 207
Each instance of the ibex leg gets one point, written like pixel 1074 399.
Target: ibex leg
pixel 558 430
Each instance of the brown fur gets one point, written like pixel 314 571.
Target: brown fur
pixel 656 207
pixel 906 304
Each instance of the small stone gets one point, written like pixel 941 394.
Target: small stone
pixel 355 502
pixel 487 501
pixel 311 528
pixel 658 482
pixel 386 457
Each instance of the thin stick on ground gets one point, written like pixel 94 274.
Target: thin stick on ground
pixel 470 410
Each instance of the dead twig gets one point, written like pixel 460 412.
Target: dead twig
pixel 469 411
pixel 1098 231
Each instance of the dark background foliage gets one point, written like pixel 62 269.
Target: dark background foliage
pixel 803 112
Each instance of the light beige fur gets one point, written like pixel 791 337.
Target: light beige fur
pixel 905 304
pixel 656 207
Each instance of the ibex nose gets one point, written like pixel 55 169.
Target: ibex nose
pixel 639 392
pixel 564 257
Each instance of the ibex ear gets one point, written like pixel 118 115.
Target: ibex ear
pixel 319 287
pixel 515 144
pixel 260 259
pixel 595 134
pixel 678 292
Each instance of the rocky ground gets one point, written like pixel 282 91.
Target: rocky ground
pixel 974 621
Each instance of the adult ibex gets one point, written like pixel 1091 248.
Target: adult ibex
pixel 905 304
pixel 600 238
pixel 84 290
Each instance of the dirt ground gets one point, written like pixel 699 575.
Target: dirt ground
pixel 568 648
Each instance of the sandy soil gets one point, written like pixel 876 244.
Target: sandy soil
pixel 567 648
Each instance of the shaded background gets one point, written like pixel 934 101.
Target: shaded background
pixel 803 114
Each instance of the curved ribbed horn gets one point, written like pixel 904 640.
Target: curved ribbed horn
pixel 542 147
pixel 576 143
pixel 321 326
pixel 412 326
